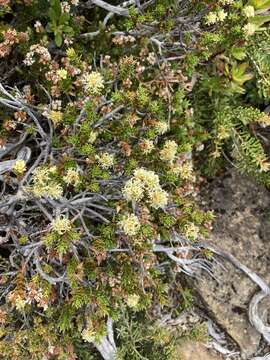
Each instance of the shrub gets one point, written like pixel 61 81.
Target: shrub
pixel 110 120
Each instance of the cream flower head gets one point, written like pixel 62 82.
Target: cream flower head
pixel 130 224
pixel 133 300
pixel 249 11
pixel 105 160
pixel 249 29
pixel 133 190
pixel 158 198
pixel 19 167
pixel 161 127
pixel 94 83
pixel 169 151
pixel 148 177
pixel 61 225
pixel 72 177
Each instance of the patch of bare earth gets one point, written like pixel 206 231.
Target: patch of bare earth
pixel 242 227
pixel 193 350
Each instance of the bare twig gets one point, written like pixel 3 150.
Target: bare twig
pixel 111 8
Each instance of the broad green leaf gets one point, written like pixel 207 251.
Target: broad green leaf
pixel 58 39
pixel 56 6
pixel 68 30
pixel 260 4
pixel 259 20
pixel 64 18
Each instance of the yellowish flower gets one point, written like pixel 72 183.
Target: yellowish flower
pixel 105 160
pixel 88 335
pixel 130 225
pixel 54 190
pixel 19 167
pixel 147 146
pixel 133 190
pixel 55 116
pixel 211 18
pixel 61 225
pixel 223 132
pixel 20 303
pixel 43 183
pixel 192 231
pixel 249 29
pixel 249 11
pixel 62 73
pixel 264 120
pixel 161 127
pixel 133 300
pixel 186 171
pixel 148 177
pixel 94 83
pixel 226 2
pixel 221 15
pixel 169 151
pixel 92 137
pixel 72 177
pixel 158 198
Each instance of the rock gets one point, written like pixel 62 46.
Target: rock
pixel 193 350
pixel 241 227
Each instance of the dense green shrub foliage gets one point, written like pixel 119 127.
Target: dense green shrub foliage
pixel 118 116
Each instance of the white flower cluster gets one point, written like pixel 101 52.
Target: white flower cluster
pixel 105 160
pixel 249 11
pixel 44 185
pixel 38 27
pixel 249 29
pixel 185 171
pixel 65 7
pixel 88 334
pixel 191 231
pixel 19 167
pixel 147 146
pixel 41 51
pixel 130 224
pixel 92 137
pixel 61 225
pixel 145 183
pixel 72 177
pixel 161 127
pixel 169 151
pixel 62 73
pixel 133 300
pixel 94 83
pixel 214 17
pixel 226 2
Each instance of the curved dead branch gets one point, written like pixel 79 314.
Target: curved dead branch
pixel 106 346
pixel 254 316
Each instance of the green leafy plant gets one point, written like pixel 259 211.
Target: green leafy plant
pixel 59 22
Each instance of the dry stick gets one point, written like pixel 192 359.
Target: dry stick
pixel 19 105
pixel 93 34
pixel 50 279
pixel 108 116
pixel 14 146
pixel 106 346
pixel 111 8
pixel 254 316
pixel 266 357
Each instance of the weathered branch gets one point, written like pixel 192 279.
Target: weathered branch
pixel 111 8
pixel 106 346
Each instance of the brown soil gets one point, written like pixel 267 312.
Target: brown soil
pixel 242 227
